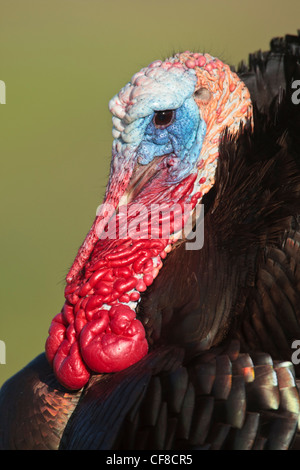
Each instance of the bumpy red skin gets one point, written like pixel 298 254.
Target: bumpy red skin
pixel 96 331
pixel 111 341
pixel 114 340
pixel 85 337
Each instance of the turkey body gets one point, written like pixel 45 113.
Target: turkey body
pixel 220 321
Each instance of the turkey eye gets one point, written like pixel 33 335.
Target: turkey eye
pixel 163 119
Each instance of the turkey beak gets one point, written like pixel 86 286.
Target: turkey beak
pixel 141 177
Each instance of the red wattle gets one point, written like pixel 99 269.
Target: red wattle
pixel 56 336
pixel 69 367
pixel 113 341
pixel 96 331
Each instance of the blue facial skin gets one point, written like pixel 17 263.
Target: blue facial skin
pixel 183 137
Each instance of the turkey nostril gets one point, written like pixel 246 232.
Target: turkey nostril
pixel 171 161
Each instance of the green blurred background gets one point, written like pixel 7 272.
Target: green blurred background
pixel 62 60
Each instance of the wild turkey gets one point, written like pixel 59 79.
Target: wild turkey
pixel 162 347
